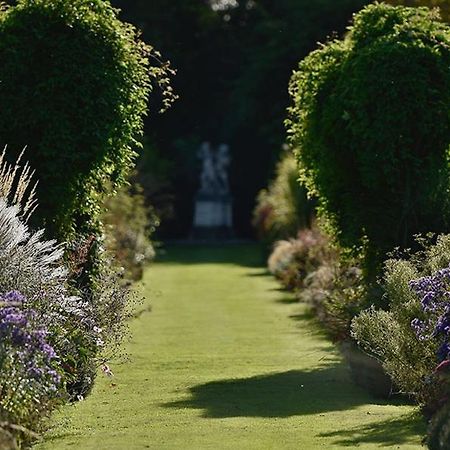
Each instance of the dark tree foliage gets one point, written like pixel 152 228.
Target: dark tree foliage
pixel 191 35
pixel 233 68
pixel 443 5
pixel 74 84
pixel 371 126
pixel 274 35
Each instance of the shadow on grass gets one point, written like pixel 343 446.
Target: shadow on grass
pixel 260 273
pixel 394 432
pixel 308 321
pixel 285 394
pixel 278 289
pixel 307 315
pixel 246 255
pixel 287 300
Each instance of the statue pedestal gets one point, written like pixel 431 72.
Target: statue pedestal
pixel 213 217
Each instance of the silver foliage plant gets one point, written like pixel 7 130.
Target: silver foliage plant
pixel 28 263
pixel 85 326
pixel 389 335
pixel 34 267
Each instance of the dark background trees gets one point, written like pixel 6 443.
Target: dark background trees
pixel 233 67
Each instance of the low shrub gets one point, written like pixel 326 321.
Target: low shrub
pixel 336 291
pixel 129 224
pixel 34 267
pixel 411 337
pixel 48 329
pixel 292 260
pixel 322 275
pixel 283 208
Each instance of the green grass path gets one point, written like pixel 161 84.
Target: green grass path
pixel 225 360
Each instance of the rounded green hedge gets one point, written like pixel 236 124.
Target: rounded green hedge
pixel 371 127
pixel 74 86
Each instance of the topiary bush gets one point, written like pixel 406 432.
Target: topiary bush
pixel 74 85
pixel 371 127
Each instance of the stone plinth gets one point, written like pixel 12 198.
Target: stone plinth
pixel 213 217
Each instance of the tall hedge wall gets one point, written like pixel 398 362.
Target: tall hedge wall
pixel 371 127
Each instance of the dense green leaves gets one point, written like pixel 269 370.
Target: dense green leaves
pixel 443 5
pixel 371 126
pixel 74 84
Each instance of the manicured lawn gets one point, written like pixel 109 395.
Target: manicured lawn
pixel 225 360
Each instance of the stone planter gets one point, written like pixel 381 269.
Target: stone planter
pixel 367 371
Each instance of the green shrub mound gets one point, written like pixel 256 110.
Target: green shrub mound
pixel 74 85
pixel 283 208
pixel 371 127
pixel 129 224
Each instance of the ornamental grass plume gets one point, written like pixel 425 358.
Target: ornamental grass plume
pixel 15 185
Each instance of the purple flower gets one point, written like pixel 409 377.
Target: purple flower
pixel 442 325
pixel 55 376
pixel 434 295
pixel 25 343
pixel 19 337
pixel 40 335
pixel 13 297
pixel 48 351
pixel 419 328
pixel 17 319
pixel 35 372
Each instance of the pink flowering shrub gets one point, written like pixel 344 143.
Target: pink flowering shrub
pixel 292 260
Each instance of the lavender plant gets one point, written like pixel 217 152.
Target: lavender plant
pixel 434 294
pixel 412 337
pixel 30 380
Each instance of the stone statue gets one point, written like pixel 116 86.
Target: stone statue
pixel 214 176
pixel 213 205
pixel 222 162
pixel 208 179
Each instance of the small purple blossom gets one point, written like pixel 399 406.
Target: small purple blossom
pixel 419 328
pixel 13 297
pixel 48 351
pixel 434 294
pixel 25 344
